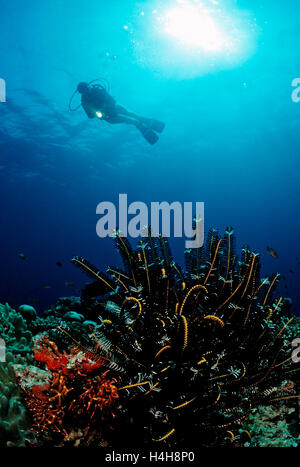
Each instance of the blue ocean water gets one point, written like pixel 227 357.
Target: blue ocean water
pixel 231 138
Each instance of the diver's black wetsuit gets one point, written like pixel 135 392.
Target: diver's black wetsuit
pixel 98 100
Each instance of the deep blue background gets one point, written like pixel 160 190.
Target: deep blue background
pixel 231 140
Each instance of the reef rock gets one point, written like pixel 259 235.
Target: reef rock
pixel 28 312
pixel 73 316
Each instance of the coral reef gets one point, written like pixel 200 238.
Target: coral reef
pixel 197 350
pixel 14 422
pixel 70 393
pixel 156 355
pixel 271 427
pixel 14 331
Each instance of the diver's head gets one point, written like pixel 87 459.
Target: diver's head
pixel 82 88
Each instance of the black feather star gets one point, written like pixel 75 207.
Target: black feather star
pixel 196 350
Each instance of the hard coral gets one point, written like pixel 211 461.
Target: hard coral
pixel 14 422
pixel 15 332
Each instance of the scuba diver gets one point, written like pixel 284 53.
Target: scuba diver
pixel 97 102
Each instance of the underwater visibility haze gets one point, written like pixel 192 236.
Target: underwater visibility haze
pixel 218 81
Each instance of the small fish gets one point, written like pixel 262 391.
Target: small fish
pixel 34 300
pixel 69 284
pixel 46 286
pixel 291 271
pixel 22 256
pixel 272 252
pixel 59 264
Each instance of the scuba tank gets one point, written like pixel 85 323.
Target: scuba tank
pixel 103 84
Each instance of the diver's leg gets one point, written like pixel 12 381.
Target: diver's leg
pixel 147 133
pixel 155 125
pixel 121 119
pixel 122 111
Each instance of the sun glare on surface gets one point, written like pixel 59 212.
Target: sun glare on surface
pixel 194 27
pixel 189 38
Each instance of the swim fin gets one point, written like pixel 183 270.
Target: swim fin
pixel 158 126
pixel 148 134
pixel 155 125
